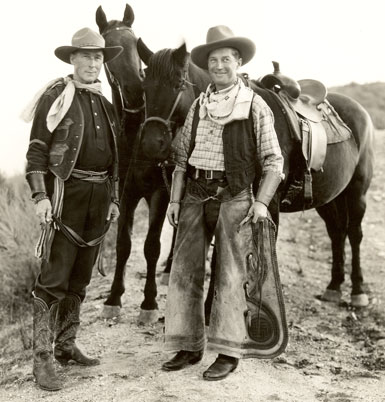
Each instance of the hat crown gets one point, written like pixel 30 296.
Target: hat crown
pixel 219 32
pixel 86 37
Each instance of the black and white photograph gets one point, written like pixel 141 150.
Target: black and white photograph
pixel 192 201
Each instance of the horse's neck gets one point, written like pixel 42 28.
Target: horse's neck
pixel 200 78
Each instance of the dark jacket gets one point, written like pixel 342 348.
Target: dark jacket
pixel 57 152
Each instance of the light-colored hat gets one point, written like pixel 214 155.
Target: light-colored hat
pixel 88 39
pixel 218 37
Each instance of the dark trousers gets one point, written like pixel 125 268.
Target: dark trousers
pixel 69 268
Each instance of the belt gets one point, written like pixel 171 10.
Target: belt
pixel 91 176
pixel 195 173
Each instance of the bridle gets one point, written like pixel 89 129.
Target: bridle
pixel 168 123
pixel 115 81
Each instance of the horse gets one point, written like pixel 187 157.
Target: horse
pixel 339 189
pixel 139 176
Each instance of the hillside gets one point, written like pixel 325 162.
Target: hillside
pixel 371 96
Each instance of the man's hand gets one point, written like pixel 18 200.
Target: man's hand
pixel 43 210
pixel 173 214
pixel 257 212
pixel 113 212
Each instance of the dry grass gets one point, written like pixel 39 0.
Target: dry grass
pixel 19 232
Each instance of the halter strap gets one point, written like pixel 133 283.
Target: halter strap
pixel 114 80
pixel 167 122
pixel 125 28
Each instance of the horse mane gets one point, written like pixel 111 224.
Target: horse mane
pixel 163 66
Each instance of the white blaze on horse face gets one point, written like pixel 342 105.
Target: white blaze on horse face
pixel 87 65
pixel 223 66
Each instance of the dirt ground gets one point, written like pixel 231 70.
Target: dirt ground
pixel 335 353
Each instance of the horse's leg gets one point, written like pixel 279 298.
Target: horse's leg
pixel 336 218
pixel 167 270
pixel 356 210
pixel 129 203
pixel 157 202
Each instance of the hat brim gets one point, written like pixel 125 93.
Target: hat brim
pixel 245 46
pixel 64 52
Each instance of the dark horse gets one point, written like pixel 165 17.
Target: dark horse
pixel 139 176
pixel 338 191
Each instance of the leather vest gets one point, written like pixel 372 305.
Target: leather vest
pixel 240 151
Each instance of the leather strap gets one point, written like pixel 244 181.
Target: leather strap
pixel 74 238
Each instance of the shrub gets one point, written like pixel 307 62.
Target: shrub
pixel 19 231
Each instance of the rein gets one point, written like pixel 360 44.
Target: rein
pixel 115 81
pixel 166 122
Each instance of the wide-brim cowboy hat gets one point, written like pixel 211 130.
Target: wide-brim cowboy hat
pixel 87 39
pixel 218 37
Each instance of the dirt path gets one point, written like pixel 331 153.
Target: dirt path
pixel 334 353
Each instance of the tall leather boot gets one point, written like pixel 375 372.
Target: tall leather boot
pixel 43 367
pixel 66 327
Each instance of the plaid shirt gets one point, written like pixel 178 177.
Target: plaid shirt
pixel 208 152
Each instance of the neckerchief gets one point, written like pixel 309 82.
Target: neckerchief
pixel 62 103
pixel 226 105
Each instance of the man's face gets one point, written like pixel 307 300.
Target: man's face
pixel 223 66
pixel 87 65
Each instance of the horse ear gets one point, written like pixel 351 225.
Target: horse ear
pixel 129 15
pixel 144 52
pixel 101 19
pixel 180 55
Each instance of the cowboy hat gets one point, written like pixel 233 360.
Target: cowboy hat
pixel 87 39
pixel 218 37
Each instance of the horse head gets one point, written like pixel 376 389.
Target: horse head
pixel 124 73
pixel 171 84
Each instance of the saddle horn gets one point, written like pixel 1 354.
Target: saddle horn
pixel 291 86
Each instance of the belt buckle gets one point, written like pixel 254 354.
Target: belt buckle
pixel 209 174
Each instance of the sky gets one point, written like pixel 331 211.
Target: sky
pixel 334 41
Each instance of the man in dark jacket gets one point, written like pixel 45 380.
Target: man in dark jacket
pixel 72 173
pixel 228 137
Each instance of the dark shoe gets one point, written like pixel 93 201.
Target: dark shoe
pixel 221 368
pixel 66 327
pixel 182 359
pixel 43 366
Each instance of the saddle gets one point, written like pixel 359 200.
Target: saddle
pixel 316 123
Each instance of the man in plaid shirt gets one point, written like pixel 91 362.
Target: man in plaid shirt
pixel 227 143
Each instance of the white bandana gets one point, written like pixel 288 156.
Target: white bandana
pixel 226 105
pixel 62 103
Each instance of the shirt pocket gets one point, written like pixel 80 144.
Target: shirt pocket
pixel 62 130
